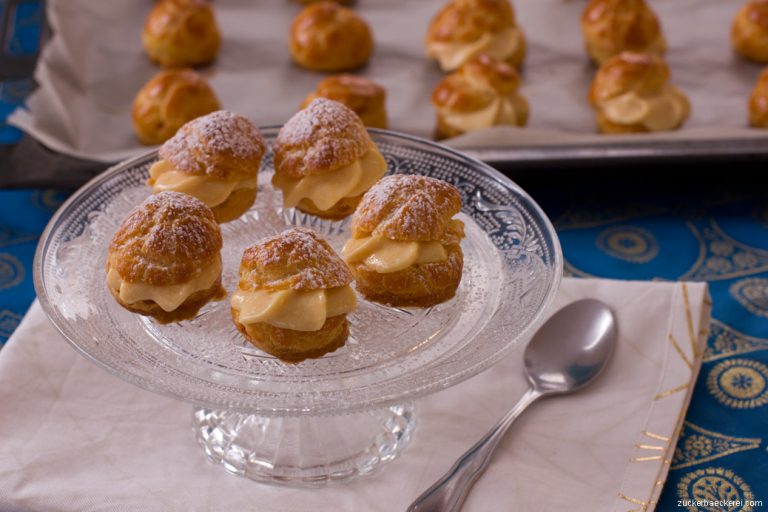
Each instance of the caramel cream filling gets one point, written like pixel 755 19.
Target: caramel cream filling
pixel 164 176
pixel 500 111
pixel 452 55
pixel 168 297
pixel 384 255
pixel 293 309
pixel 664 111
pixel 325 190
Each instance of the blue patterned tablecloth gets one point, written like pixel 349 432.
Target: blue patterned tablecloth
pixel 721 454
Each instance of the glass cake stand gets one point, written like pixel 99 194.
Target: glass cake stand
pixel 324 419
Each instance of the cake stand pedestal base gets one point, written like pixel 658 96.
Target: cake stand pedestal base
pixel 304 451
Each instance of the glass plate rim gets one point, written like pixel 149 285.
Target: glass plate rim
pixel 383 401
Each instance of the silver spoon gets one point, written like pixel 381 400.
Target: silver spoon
pixel 566 354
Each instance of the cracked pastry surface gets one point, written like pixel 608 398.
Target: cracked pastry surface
pixel 215 158
pixel 464 29
pixel 614 26
pixel 749 31
pixel 181 33
pixel 405 247
pixel 631 93
pixel 325 160
pixel 328 37
pixel 293 296
pixel 169 100
pixel 483 93
pixel 363 96
pixel 164 260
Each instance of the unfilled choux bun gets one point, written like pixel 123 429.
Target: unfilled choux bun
pixel 639 77
pixel 327 37
pixel 613 26
pixel 482 83
pixel 364 97
pixel 166 240
pixel 181 33
pixel 411 208
pixel 758 102
pixel 749 32
pixel 169 100
pixel 464 29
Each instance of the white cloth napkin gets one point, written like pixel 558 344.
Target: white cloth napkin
pixel 94 66
pixel 74 438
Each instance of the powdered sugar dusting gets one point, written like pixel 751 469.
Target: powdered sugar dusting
pixel 297 258
pixel 165 240
pixel 199 144
pixel 324 136
pixel 407 207
pixel 323 114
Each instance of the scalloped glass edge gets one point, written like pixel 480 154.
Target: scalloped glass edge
pixel 381 401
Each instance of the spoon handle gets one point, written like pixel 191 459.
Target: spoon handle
pixel 448 493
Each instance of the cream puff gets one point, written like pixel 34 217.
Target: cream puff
pixel 325 160
pixel 328 37
pixel 631 93
pixel 215 158
pixel 181 33
pixel 758 102
pixel 482 93
pixel 614 26
pixel 464 29
pixel 169 100
pixel 363 96
pixel 293 296
pixel 405 247
pixel 749 32
pixel 164 261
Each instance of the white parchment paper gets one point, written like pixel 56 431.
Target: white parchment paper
pixel 94 65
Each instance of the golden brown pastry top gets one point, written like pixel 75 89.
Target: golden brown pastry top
pixel 476 84
pixel 467 20
pixel 361 95
pixel 222 144
pixel 323 137
pixel 167 101
pixel 755 11
pixel 165 240
pixel 296 259
pixel 181 33
pixel 409 208
pixel 758 102
pixel 642 73
pixel 328 37
pixel 612 26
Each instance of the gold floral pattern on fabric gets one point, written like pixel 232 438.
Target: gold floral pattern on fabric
pixel 722 257
pixel 628 243
pixel 11 271
pixel 717 485
pixel 725 341
pixel 739 383
pixel 697 445
pixel 752 293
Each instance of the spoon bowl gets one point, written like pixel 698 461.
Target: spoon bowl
pixel 571 348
